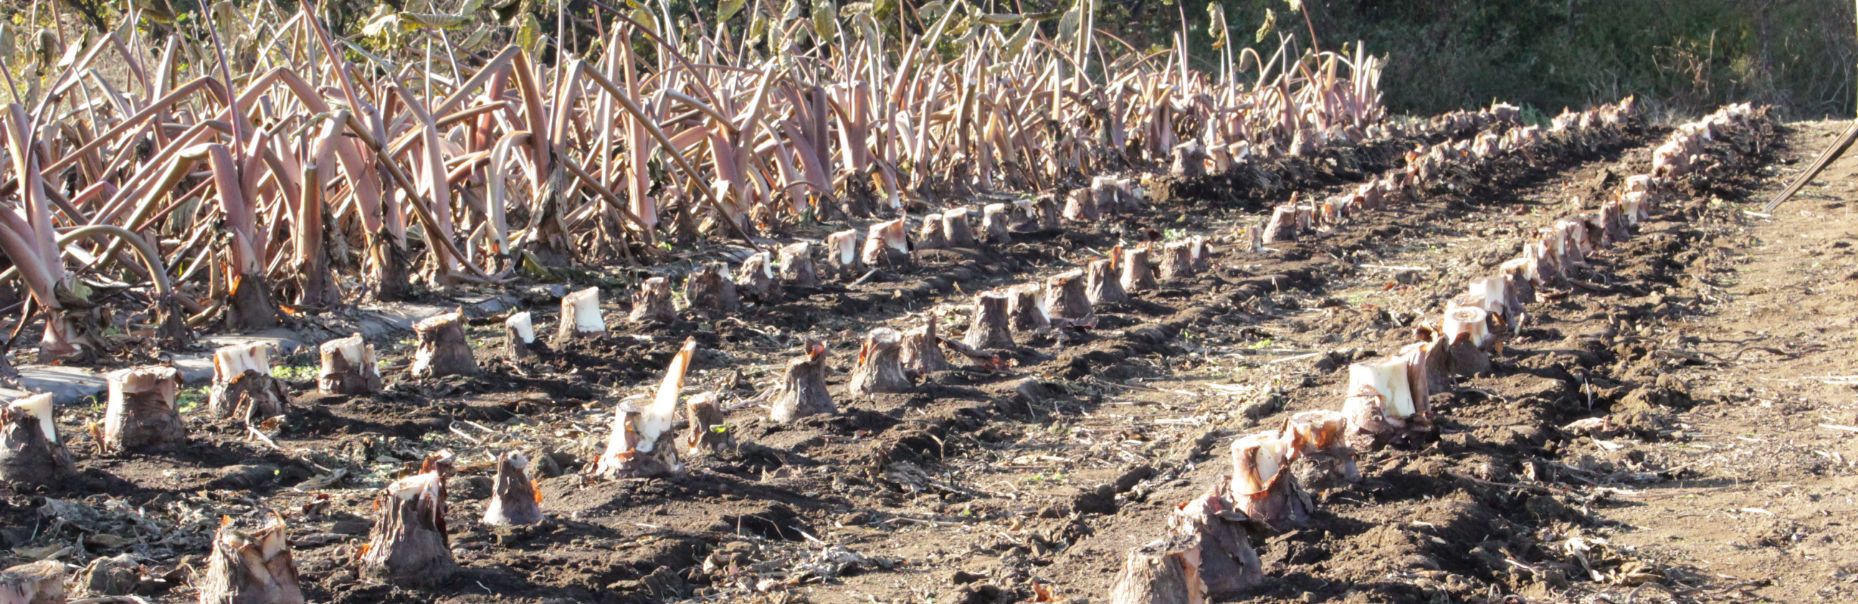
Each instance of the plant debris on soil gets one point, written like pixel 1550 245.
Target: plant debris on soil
pixel 1678 426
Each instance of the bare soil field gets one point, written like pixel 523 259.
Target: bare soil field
pixel 1675 425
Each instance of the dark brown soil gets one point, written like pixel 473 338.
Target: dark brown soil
pixel 991 483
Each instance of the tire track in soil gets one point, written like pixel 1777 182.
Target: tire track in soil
pixel 1432 523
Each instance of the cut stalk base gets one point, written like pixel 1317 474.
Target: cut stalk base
pixel 988 328
pixel 514 498
pixel 1228 563
pixel 408 544
pixel 1163 572
pixel 652 302
pixel 30 453
pixel 251 567
pixel 141 412
pixel 710 292
pixel 922 349
pixel 442 348
pixel 803 389
pixel 348 367
pixel 879 368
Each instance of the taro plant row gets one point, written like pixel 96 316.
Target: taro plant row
pixel 292 170
pixel 1206 550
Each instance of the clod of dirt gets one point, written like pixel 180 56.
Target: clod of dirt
pixel 117 575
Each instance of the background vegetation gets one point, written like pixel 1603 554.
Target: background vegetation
pixel 1684 55
pixel 1690 54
